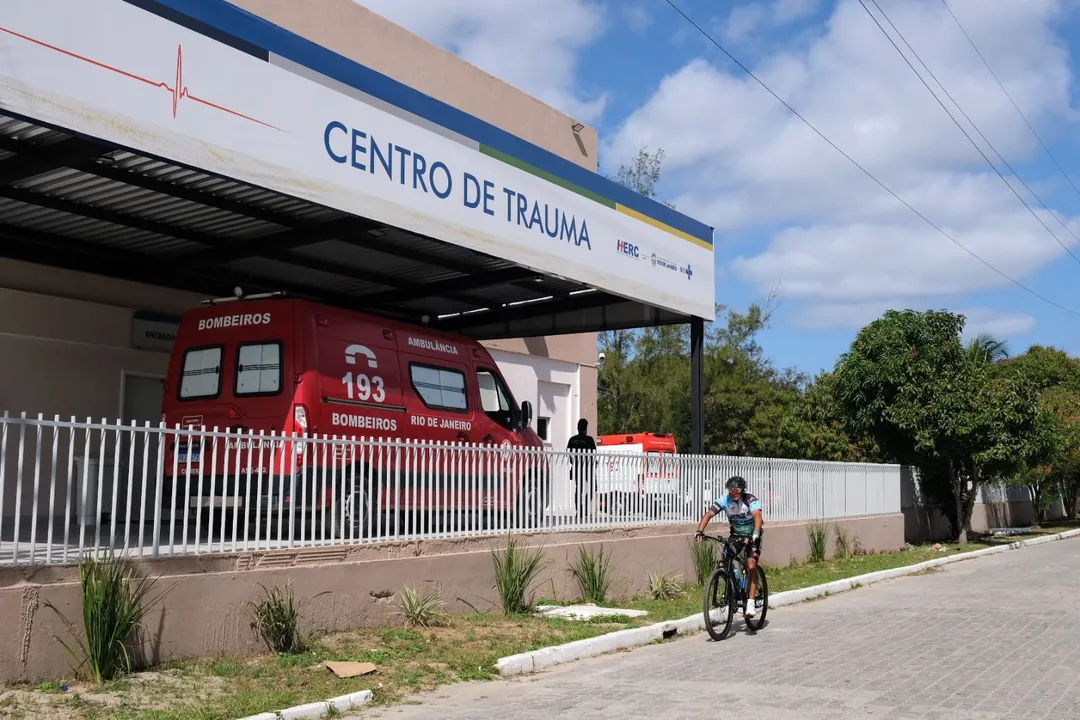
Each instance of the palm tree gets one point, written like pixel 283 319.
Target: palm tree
pixel 986 348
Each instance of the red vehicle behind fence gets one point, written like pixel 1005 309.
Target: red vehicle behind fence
pixel 628 484
pixel 281 366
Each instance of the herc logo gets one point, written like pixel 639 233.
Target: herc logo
pixel 628 248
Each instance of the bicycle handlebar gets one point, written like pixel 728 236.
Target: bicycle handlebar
pixel 722 541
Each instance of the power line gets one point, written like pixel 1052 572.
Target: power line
pixel 969 138
pixel 866 172
pixel 1008 95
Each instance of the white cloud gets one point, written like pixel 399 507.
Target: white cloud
pixel 852 316
pixel 997 324
pixel 742 163
pixel 748 20
pixel 533 46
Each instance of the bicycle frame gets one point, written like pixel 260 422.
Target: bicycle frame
pixel 732 551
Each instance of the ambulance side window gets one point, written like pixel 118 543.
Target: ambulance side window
pixel 439 388
pixel 258 369
pixel 200 377
pixel 494 398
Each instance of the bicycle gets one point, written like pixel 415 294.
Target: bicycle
pixel 731 571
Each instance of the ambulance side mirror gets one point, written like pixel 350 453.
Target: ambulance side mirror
pixel 526 413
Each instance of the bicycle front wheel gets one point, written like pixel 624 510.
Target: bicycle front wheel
pixel 719 598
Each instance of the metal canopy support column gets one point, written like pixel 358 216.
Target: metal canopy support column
pixel 697 385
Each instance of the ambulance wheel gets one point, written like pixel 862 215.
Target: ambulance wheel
pixel 353 508
pixel 532 501
pixel 616 504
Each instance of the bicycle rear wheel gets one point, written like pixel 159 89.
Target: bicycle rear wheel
pixel 762 596
pixel 719 597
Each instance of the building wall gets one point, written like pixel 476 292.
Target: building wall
pixel 996 506
pixel 68 358
pixel 579 349
pixel 203 613
pixel 922 524
pixel 370 39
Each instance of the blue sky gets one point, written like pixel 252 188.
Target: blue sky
pixel 791 215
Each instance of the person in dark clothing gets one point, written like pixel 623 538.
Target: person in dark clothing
pixel 581 446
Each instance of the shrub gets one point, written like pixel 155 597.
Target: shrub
pixel 845 543
pixel 593 575
pixel 705 557
pixel 421 610
pixel 276 619
pixel 818 532
pixel 665 586
pixel 114 602
pixel 516 569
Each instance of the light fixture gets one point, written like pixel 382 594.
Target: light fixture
pixel 577 127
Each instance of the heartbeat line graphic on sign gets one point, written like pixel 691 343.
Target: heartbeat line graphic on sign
pixel 177 89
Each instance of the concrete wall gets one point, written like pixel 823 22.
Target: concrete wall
pixel 203 612
pixel 67 356
pixel 923 524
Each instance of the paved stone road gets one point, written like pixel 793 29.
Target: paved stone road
pixel 986 639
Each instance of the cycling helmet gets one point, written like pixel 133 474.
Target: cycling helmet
pixel 735 482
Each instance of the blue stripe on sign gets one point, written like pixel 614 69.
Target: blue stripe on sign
pixel 202 28
pixel 253 29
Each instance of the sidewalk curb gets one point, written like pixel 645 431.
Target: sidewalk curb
pixel 317 710
pixel 529 662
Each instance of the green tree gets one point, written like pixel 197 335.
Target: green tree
pixel 986 348
pixel 1064 469
pixel 1044 367
pixel 751 408
pixel 1053 472
pixel 818 423
pixel 643 172
pixel 909 383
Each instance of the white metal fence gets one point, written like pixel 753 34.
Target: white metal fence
pixel 69 487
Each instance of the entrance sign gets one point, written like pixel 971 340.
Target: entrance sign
pixel 151 331
pixel 209 85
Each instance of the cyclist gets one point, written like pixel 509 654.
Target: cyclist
pixel 744 515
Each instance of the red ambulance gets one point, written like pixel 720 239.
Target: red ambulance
pixel 280 366
pixel 626 483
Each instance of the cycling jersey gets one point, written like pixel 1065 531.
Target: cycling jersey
pixel 740 512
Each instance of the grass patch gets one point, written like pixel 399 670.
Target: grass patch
pixel 421 609
pixel 666 586
pixel 276 619
pixel 818 534
pixel 114 601
pixel 516 569
pixel 409 659
pixel 593 575
pixel 705 555
pixel 847 545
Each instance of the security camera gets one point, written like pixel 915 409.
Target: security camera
pixel 600 358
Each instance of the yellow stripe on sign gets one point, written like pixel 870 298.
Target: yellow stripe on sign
pixel 662 226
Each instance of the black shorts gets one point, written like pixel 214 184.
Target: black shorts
pixel 753 547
